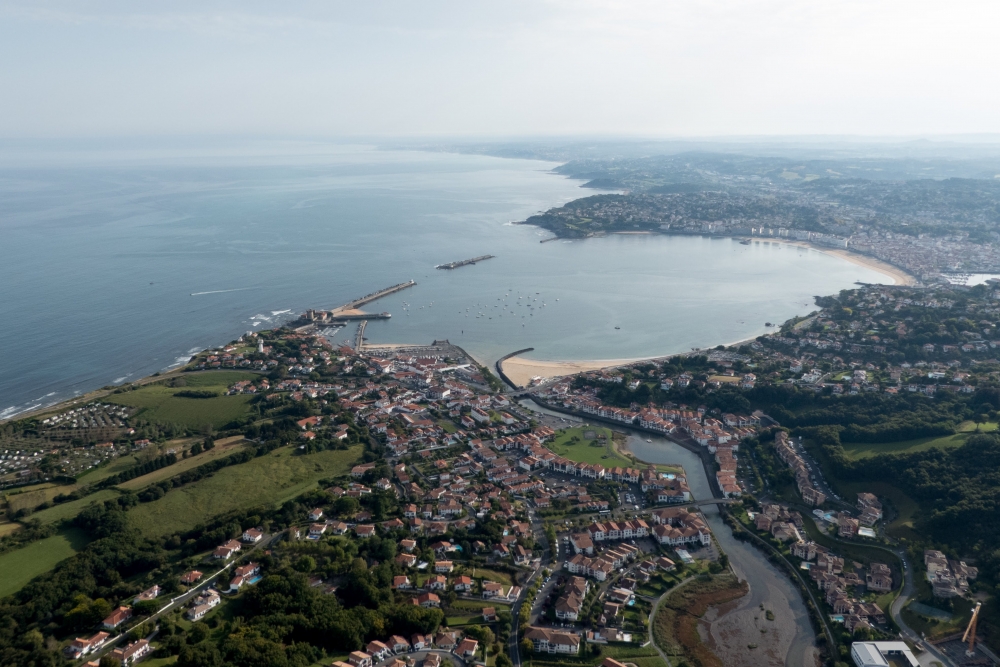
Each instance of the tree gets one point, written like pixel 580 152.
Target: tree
pixel 503 661
pixel 305 564
pixel 198 633
pixel 205 655
pixel 527 646
pixel 480 632
pixel 981 418
pixel 346 505
pixel 145 607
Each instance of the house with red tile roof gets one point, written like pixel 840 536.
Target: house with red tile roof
pixel 117 617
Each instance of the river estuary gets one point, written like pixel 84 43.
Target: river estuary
pixel 790 640
pixel 729 629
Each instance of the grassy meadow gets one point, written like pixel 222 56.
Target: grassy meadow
pixel 572 444
pixel 159 403
pixel 72 508
pixel 863 450
pixel 19 567
pixel 223 447
pixel 267 480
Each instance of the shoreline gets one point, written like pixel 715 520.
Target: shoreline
pixel 521 370
pixel 900 276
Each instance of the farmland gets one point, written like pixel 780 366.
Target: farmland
pixel 267 480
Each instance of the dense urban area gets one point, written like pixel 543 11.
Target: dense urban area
pixel 932 219
pixel 281 501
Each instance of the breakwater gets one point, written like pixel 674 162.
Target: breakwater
pixel 350 310
pixel 368 298
pixel 465 262
pixel 499 366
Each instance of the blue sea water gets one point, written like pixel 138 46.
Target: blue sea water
pixel 112 269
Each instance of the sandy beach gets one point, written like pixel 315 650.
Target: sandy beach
pixel 900 276
pixel 521 370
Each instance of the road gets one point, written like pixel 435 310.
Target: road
pixel 908 585
pixel 897 605
pixel 896 608
pixel 817 478
pixel 538 527
pixel 192 592
pixel 652 615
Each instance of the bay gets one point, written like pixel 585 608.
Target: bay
pixel 112 269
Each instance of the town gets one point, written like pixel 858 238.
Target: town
pixel 510 532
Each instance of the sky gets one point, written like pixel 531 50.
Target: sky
pixel 669 68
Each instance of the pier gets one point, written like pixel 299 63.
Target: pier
pixel 454 265
pixel 360 338
pixel 351 310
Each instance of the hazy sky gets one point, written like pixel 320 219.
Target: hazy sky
pixel 662 68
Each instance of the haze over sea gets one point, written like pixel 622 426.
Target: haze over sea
pixel 115 268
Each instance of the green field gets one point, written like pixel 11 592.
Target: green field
pixel 19 567
pixel 593 451
pixel 479 605
pixel 489 575
pixel 113 467
pixel 72 508
pixel 223 447
pixel 217 378
pixel 267 480
pixel 863 450
pixel 29 497
pixel 158 403
pixel 448 425
pixel 642 656
pixel 160 662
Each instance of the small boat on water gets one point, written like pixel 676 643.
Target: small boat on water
pixel 617 327
pixel 648 440
pixel 745 242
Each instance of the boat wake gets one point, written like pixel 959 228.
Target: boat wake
pixel 223 291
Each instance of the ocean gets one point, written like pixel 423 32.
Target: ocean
pixel 114 268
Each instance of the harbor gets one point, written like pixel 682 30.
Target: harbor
pixel 465 262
